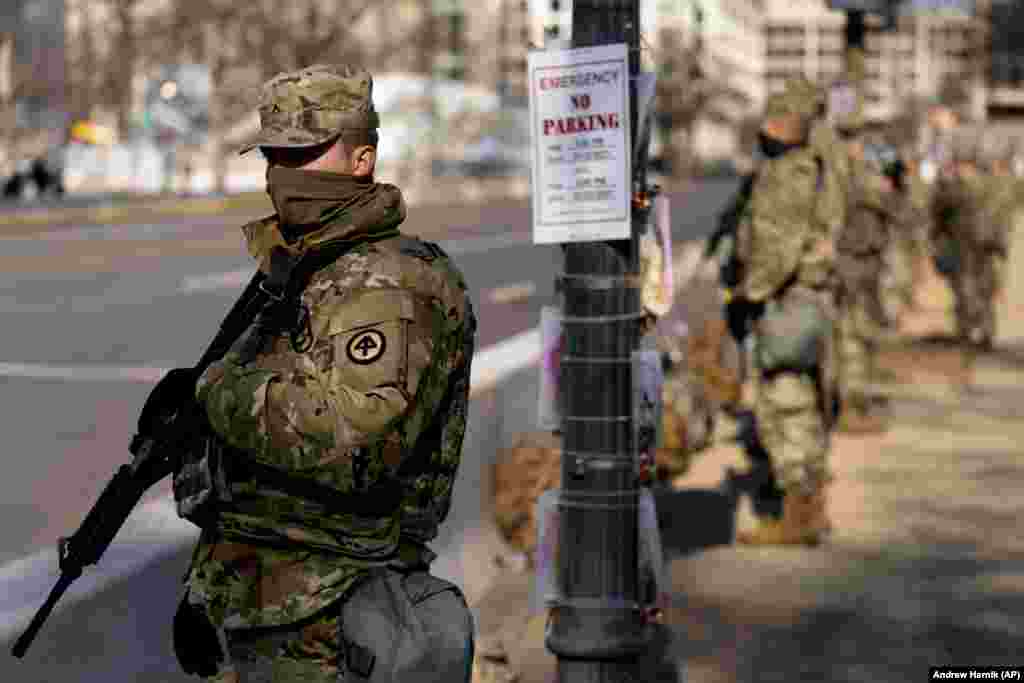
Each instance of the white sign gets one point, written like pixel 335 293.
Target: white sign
pixel 579 129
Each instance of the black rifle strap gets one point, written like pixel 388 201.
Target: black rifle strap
pixel 287 278
pixel 380 500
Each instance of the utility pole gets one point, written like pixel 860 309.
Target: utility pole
pixel 599 631
pixel 856 28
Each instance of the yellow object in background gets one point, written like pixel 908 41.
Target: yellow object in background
pixel 92 133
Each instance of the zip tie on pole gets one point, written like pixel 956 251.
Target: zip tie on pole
pixel 597 460
pixel 581 502
pixel 597 319
pixel 593 603
pixel 601 282
pixel 603 360
pixel 593 455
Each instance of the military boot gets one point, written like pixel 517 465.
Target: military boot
pixel 800 523
pixel 820 523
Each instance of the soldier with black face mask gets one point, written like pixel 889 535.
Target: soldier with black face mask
pixel 784 292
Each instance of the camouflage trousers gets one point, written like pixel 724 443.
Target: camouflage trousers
pixel 304 651
pixel 395 627
pixel 858 335
pixel 976 285
pixel 897 285
pixel 792 413
pixel 792 427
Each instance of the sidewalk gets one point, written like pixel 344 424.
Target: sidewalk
pixel 125 207
pixel 926 566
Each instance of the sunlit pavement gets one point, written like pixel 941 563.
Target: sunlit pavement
pixel 926 563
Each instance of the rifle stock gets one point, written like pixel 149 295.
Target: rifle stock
pixel 163 424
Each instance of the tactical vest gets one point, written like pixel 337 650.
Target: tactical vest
pixel 865 232
pixel 432 443
pixel 216 482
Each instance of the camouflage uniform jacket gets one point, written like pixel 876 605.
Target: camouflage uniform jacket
pixel 786 235
pixel 393 331
pixel 827 144
pixel 958 210
pixel 1003 200
pixel 869 214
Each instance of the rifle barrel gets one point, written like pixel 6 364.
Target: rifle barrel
pixel 25 640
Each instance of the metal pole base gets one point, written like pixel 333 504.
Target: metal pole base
pixel 658 664
pixel 597 633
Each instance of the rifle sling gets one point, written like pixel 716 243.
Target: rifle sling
pixel 287 278
pixel 379 500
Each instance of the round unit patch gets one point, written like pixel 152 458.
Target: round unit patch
pixel 366 347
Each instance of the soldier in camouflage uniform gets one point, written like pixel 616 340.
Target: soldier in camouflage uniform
pixel 372 406
pixel 965 240
pixel 919 198
pixel 1003 203
pixel 787 256
pixel 872 208
pixel 901 259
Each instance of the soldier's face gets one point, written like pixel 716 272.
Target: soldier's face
pixel 856 148
pixel 787 129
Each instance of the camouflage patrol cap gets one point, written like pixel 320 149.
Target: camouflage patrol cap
pixel 795 99
pixel 310 106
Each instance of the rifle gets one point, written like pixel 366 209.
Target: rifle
pixel 167 421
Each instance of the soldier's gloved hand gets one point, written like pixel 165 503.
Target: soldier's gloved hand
pixel 196 645
pixel 173 392
pixel 740 314
pixel 285 316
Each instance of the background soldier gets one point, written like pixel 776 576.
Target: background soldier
pixel 919 199
pixel 964 241
pixel 861 248
pixel 787 260
pixel 1004 200
pixel 341 415
pixel 898 281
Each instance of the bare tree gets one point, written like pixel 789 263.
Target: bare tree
pixel 953 92
pixel 122 60
pixel 240 43
pixel 684 91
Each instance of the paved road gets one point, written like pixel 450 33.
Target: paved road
pixel 69 332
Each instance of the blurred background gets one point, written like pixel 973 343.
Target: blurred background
pixel 101 96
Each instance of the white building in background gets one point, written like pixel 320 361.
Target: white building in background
pixel 753 46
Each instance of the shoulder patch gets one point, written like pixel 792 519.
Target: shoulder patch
pixel 366 347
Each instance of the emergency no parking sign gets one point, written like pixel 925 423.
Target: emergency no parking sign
pixel 579 128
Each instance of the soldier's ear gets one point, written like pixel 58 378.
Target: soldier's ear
pixel 364 161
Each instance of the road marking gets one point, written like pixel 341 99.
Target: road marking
pixel 86 373
pixel 491 365
pixel 507 294
pixel 233 279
